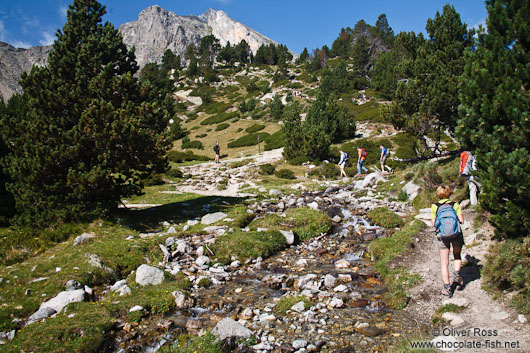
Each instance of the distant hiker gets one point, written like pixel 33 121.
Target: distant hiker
pixel 362 156
pixel 385 153
pixel 467 165
pixel 217 150
pixel 342 163
pixel 446 217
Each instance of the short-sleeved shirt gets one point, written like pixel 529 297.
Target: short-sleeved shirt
pixel 434 208
pixel 383 151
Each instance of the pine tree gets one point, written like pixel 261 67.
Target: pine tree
pixel 91 131
pixel 494 115
pixel 427 104
pixel 384 30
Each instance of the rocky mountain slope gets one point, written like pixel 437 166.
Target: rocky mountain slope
pixel 155 31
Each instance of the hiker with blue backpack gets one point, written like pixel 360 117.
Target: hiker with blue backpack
pixel 446 217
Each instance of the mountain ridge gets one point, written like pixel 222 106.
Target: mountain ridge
pixel 155 31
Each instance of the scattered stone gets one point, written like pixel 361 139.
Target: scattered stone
pixel 342 263
pixel 522 319
pixel 171 230
pixel 370 331
pixel 336 219
pixel 202 260
pixel 192 222
pixel 228 328
pixel 149 275
pixel 212 218
pixel 330 281
pixel 40 314
pixel 340 288
pixel 80 239
pixel 301 263
pixel 313 205
pixel 336 303
pixel 454 319
pixel 297 344
pixel 136 308
pixel 73 285
pixel 181 300
pixel 289 236
pixel 274 192
pixel 247 314
pixel 298 307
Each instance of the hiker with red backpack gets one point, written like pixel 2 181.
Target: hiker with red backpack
pixel 446 217
pixel 362 156
pixel 467 165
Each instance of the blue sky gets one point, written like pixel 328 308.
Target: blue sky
pixel 295 23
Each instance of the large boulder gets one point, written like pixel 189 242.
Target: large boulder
pixel 211 218
pixel 289 236
pixel 369 180
pixel 57 304
pixel 411 189
pixel 83 238
pixel 228 328
pixel 146 275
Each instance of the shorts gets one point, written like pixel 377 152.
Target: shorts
pixel 384 159
pixel 342 165
pixel 457 242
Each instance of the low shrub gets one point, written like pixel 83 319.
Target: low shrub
pixel 243 245
pixel 285 174
pixel 383 217
pixel 275 140
pixel 153 180
pixel 248 140
pixel 403 196
pixel 407 145
pixel 238 164
pixel 179 157
pixel 325 171
pixel 506 270
pixel 201 136
pixel 221 126
pixel 255 128
pixel 267 169
pixel 174 173
pixel 219 118
pixel 192 144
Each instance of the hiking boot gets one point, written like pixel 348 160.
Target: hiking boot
pixel 446 290
pixel 458 279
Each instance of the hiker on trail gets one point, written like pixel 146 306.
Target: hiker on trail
pixel 446 217
pixel 362 156
pixel 467 165
pixel 385 153
pixel 342 163
pixel 217 150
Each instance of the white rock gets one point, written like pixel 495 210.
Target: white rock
pixel 411 189
pixel 340 288
pixel 301 282
pixel 266 317
pixel 274 192
pixel 454 319
pixel 298 307
pixel 83 238
pixel 297 344
pixel 313 205
pixel 289 236
pixel 521 318
pixel 342 263
pixel 57 304
pixel 202 260
pixel 336 303
pixel 40 314
pixel 301 262
pixel 181 300
pixel 171 230
pixel 336 219
pixel 213 217
pixel 149 275
pixel 136 308
pixel 330 281
pixel 227 328
pixel 192 222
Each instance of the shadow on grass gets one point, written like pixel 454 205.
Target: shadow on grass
pixel 149 219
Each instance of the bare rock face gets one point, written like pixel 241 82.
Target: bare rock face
pixel 14 61
pixel 157 30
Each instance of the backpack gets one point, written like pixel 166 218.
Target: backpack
pixel 466 163
pixel 363 153
pixel 447 223
pixel 387 153
pixel 216 148
pixel 346 157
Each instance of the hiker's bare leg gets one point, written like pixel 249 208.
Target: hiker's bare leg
pixel 444 263
pixel 457 262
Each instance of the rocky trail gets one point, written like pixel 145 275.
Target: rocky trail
pixel 485 325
